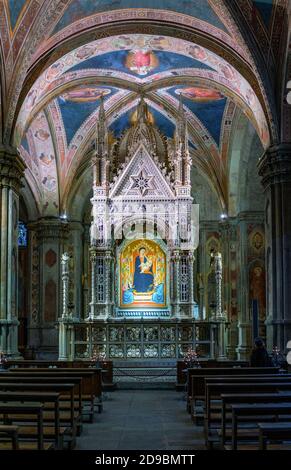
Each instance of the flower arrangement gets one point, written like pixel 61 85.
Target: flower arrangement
pixel 98 357
pixel 278 358
pixel 191 358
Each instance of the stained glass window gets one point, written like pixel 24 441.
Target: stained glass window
pixel 22 234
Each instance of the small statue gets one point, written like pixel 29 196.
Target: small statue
pixel 212 257
pixel 218 261
pixel 65 261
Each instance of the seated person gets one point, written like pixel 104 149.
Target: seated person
pixel 260 356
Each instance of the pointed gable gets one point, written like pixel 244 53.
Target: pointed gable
pixel 142 178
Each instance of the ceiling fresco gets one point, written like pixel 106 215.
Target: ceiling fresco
pixel 15 10
pixel 184 53
pixel 200 9
pixel 78 104
pixel 265 8
pixel 69 53
pixel 121 68
pixel 141 62
pixel 206 104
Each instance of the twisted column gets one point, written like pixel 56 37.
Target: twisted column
pixel 218 278
pixel 65 284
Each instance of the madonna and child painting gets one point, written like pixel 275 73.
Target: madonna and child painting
pixel 143 275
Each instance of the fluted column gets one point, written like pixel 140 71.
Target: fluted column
pixel 11 171
pixel 275 171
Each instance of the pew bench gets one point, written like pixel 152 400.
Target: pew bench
pixel 212 420
pixel 9 413
pixel 70 419
pixel 64 404
pixel 273 411
pixel 50 400
pixel 247 398
pixel 9 433
pixel 106 366
pixel 196 378
pixel 197 412
pixel 274 432
pixel 91 384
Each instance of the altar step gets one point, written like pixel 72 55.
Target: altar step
pixel 145 374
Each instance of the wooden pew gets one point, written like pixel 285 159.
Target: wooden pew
pixel 274 432
pixel 205 364
pixel 91 383
pixel 70 419
pixel 55 432
pixel 196 378
pixel 10 410
pixel 9 432
pixel 240 411
pixel 49 379
pixel 215 390
pixel 106 367
pixel 234 379
pixel 249 398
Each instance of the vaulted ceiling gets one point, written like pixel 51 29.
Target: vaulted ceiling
pixel 60 56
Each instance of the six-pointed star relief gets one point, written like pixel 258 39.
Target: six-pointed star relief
pixel 142 182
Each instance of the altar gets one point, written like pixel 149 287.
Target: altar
pixel 143 237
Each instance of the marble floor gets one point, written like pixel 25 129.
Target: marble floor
pixel 142 420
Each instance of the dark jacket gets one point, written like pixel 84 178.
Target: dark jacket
pixel 260 358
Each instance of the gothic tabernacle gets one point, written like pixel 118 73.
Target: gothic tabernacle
pixel 143 237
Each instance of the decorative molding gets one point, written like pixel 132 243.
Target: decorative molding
pixel 275 165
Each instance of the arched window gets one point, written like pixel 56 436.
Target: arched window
pixel 22 234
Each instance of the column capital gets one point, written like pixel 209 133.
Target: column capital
pixel 50 228
pixel 11 168
pixel 275 165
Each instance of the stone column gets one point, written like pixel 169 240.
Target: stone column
pixel 76 250
pixel 219 313
pixel 86 271
pixel 275 171
pixel 51 238
pixel 244 320
pixel 11 171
